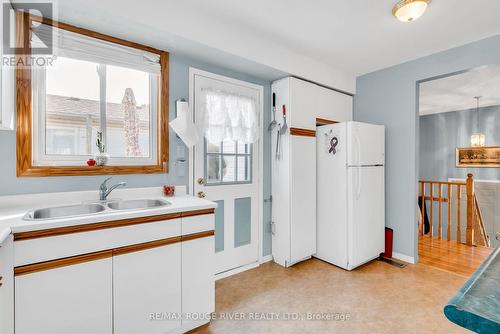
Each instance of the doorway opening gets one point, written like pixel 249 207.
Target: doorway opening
pixel 459 169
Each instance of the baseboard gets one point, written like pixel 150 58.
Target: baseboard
pixel 266 258
pixel 236 270
pixel 403 257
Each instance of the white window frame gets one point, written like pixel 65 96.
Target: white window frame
pixel 40 158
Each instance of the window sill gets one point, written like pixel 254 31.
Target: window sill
pixel 42 171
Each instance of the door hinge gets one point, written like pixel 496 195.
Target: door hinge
pixel 270 199
pixel 273 228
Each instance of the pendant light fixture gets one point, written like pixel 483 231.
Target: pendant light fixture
pixel 409 10
pixel 477 139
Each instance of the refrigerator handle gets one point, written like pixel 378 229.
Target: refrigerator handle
pixel 358 190
pixel 358 143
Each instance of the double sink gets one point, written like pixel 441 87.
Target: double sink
pixel 86 209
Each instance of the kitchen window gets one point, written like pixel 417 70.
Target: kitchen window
pixel 96 84
pixel 229 162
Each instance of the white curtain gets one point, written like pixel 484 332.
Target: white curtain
pixel 228 116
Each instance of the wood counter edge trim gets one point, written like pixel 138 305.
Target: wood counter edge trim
pixel 198 235
pixel 145 245
pixel 59 263
pixel 56 231
pixel 324 121
pixel 197 212
pixel 72 260
pixel 302 132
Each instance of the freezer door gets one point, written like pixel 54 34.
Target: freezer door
pixel 366 214
pixel 366 144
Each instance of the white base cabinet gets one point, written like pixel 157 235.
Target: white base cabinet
pixel 75 299
pixel 147 290
pixel 160 285
pixel 7 286
pixel 198 284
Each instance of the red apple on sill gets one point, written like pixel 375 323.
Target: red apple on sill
pixel 91 162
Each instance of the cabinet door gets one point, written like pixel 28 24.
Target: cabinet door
pixel 303 197
pixel 303 100
pixel 76 299
pixel 198 284
pixel 6 287
pixel 334 106
pixel 147 290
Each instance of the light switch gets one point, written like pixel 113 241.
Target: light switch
pixel 181 151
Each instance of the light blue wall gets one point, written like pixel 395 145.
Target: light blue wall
pixel 389 97
pixel 179 88
pixel 441 134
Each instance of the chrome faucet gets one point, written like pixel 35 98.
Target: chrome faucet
pixel 104 191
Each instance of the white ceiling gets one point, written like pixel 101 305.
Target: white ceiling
pixel 457 92
pixel 323 40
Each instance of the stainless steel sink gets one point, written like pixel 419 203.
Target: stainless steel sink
pixel 137 204
pixel 64 211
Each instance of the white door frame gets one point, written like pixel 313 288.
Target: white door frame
pixel 192 72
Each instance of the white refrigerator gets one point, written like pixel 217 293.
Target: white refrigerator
pixel 350 193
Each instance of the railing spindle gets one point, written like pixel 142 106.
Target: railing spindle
pixel 459 231
pixel 440 219
pixel 448 228
pixel 431 234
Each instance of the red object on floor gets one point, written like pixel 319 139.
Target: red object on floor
pixel 389 233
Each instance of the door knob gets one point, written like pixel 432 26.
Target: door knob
pixel 201 194
pixel 201 181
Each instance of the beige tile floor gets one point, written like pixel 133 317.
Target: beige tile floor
pixel 378 297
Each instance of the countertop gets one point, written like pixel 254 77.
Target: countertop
pixel 476 306
pixel 13 208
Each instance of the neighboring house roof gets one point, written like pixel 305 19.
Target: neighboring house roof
pixel 76 111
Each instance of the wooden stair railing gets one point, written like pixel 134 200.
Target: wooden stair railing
pixel 431 196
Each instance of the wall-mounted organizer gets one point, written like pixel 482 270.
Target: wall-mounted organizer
pixel 186 135
pixel 294 163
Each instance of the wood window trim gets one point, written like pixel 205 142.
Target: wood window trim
pixel 24 133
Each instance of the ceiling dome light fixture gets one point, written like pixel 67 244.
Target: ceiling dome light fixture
pixel 409 10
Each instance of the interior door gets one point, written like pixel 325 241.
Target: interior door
pixel 366 217
pixel 228 174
